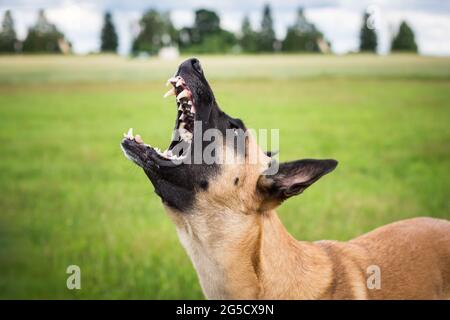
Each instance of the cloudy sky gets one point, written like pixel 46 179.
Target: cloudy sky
pixel 339 20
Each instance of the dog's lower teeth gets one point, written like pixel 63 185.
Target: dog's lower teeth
pixel 138 139
pixel 167 154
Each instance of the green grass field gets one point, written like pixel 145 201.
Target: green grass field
pixel 69 196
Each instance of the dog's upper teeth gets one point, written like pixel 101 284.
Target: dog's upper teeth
pixel 185 134
pixel 183 94
pixel 171 92
pixel 182 116
pixel 172 80
pixel 179 82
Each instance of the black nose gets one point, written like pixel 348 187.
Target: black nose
pixel 190 65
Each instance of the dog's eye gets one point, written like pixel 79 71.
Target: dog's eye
pixel 197 66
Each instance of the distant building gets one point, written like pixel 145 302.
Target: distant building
pixel 324 46
pixel 64 46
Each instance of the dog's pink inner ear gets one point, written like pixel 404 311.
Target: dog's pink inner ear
pixel 298 178
pixel 295 184
pixel 293 178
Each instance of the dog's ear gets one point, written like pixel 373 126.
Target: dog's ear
pixel 291 179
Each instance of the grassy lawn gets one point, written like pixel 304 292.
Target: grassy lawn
pixel 68 195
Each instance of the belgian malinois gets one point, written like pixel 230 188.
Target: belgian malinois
pixel 225 217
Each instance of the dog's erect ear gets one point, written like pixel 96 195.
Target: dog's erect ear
pixel 292 178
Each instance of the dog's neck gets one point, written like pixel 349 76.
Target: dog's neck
pixel 242 256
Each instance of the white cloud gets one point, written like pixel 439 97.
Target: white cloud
pixel 23 20
pixel 126 23
pixel 182 17
pixel 339 25
pixel 80 23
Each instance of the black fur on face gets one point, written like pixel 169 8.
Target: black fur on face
pixel 177 184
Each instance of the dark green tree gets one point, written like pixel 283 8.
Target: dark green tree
pixel 8 39
pixel 109 39
pixel 206 35
pixel 156 31
pixel 43 37
pixel 302 36
pixel 404 40
pixel 266 36
pixel 248 40
pixel 367 37
pixel 206 23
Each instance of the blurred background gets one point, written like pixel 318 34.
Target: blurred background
pixel 364 82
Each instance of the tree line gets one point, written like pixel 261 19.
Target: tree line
pixel 204 36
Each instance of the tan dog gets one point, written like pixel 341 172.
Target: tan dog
pixel 225 218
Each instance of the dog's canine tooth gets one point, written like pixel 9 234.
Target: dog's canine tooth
pixel 182 117
pixel 183 94
pixel 129 134
pixel 171 92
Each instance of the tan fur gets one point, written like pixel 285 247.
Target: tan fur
pixel 241 250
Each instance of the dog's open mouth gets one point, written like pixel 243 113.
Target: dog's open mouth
pixel 134 146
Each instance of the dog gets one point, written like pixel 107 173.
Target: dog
pixel 224 213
